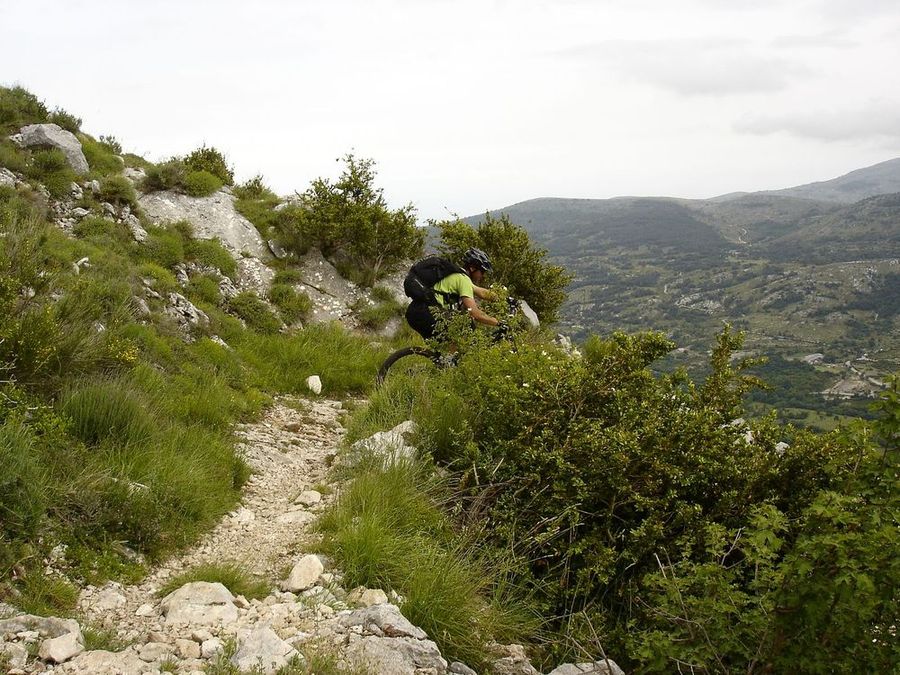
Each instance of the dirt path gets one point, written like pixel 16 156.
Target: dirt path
pixel 289 451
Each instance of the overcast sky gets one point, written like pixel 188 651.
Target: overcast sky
pixel 474 105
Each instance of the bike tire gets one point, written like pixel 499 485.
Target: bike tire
pixel 430 354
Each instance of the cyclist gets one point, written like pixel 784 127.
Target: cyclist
pixel 457 290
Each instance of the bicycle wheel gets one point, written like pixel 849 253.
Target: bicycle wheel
pixel 419 352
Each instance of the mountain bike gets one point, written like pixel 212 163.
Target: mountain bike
pixel 414 357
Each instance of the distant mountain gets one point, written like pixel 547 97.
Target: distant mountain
pixel 801 276
pixel 879 179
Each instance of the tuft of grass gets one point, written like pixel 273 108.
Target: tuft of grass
pixel 107 409
pixel 166 176
pixel 206 288
pixel 387 530
pixel 96 637
pixel 164 246
pixel 101 156
pixel 211 253
pixel 254 312
pixel 46 596
pixel 65 119
pixel 51 168
pixel 292 305
pixel 288 276
pixel 231 575
pixel 377 316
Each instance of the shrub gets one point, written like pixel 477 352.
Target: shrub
pixel 12 157
pixel 211 253
pixel 101 157
pixel 118 190
pixel 51 168
pixel 19 107
pixel 254 189
pixel 254 312
pixel 350 219
pixel 210 160
pixel 206 288
pixel 104 410
pixel 162 280
pixel 292 305
pixel 65 119
pixel 166 176
pixel 164 246
pixel 200 183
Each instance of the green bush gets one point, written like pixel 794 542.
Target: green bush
pixel 292 305
pixel 162 280
pixel 254 312
pixel 200 183
pixel 166 176
pixel 164 246
pixel 206 288
pixel 118 190
pixel 12 157
pixel 254 189
pixel 51 168
pixel 65 119
pixel 209 160
pixel 19 107
pixel 103 410
pixel 349 220
pixel 101 157
pixel 211 253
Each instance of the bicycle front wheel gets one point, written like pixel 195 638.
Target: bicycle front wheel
pixel 418 354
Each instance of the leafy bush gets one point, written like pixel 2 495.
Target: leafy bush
pixel 66 120
pixel 164 246
pixel 255 312
pixel 166 176
pixel 118 190
pixel 211 253
pixel 349 220
pixel 292 305
pixel 200 183
pixel 19 107
pixel 206 288
pixel 51 168
pixel 101 157
pixel 254 189
pixel 211 161
pixel 517 263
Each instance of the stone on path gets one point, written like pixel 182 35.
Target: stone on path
pixel 100 662
pixel 304 575
pixel 396 656
pixel 383 621
pixel 298 517
pixel 367 597
pixel 603 667
pixel 308 498
pixel 199 603
pixel 314 384
pixel 262 649
pixel 61 649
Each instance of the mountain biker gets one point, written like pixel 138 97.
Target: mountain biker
pixel 457 290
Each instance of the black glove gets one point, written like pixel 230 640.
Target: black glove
pixel 513 304
pixel 501 331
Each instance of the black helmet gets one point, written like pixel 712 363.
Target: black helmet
pixel 477 258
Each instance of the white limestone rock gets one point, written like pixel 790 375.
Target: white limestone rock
pixel 314 384
pixel 389 444
pixel 395 656
pixel 367 597
pixel 309 498
pixel 603 667
pixel 199 603
pixel 53 135
pixel 383 620
pixel 61 649
pixel 262 649
pixel 304 575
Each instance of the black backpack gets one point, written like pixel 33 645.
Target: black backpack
pixel 420 281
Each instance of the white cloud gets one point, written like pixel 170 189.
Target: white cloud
pixel 878 120
pixel 701 66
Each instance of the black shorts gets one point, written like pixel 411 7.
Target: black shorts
pixel 421 319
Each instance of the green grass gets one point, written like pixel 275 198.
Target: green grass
pixel 292 305
pixel 101 158
pixel 256 313
pixel 200 183
pixel 387 530
pixel 46 596
pixel 97 637
pixel 119 191
pixel 231 575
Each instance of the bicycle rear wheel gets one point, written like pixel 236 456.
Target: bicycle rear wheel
pixel 419 353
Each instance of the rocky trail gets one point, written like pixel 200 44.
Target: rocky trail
pixel 201 627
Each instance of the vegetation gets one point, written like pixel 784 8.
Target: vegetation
pixel 350 222
pixel 199 174
pixel 518 263
pixel 645 521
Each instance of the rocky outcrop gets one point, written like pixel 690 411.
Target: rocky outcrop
pixel 54 136
pixel 212 217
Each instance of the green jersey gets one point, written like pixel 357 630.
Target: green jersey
pixel 455 284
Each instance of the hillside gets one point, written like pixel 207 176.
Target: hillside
pixel 800 276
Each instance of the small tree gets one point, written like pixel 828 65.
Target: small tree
pixel 349 219
pixel 518 263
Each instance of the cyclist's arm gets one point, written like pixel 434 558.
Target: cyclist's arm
pixel 483 293
pixel 476 313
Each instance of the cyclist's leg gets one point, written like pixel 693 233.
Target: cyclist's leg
pixel 421 319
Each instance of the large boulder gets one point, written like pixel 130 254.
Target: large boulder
pixel 331 294
pixel 391 444
pixel 395 656
pixel 54 136
pixel 213 217
pixel 304 575
pixel 45 626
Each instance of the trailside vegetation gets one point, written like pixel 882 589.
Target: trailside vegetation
pixel 518 264
pixel 647 519
pixel 350 222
